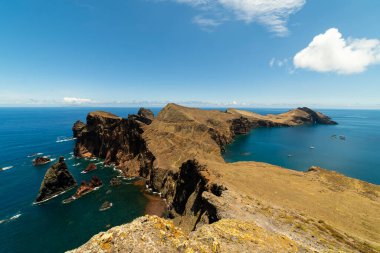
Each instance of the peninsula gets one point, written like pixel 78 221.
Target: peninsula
pixel 226 207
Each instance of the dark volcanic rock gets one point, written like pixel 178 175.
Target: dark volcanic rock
pixel 317 117
pixel 77 128
pixel 241 126
pixel 57 180
pixel 115 181
pixel 85 187
pixel 89 168
pixel 146 113
pixel 41 160
pixel 117 140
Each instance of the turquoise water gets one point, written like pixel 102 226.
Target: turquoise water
pixel 358 156
pixel 53 226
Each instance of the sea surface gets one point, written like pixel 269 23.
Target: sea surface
pixel 56 227
pixel 356 155
pixel 53 226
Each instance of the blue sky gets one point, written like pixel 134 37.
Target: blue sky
pixel 195 52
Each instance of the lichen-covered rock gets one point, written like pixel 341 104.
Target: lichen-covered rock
pixel 153 234
pixel 145 234
pixel 57 180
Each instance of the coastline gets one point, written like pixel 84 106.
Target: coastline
pixel 179 155
pixel 156 205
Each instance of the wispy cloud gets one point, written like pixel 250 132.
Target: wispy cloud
pixel 273 14
pixel 330 52
pixel 207 24
pixel 73 100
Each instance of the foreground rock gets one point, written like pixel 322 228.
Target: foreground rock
pixel 57 180
pixel 179 155
pixel 153 234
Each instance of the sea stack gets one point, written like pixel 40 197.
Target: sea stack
pixel 57 180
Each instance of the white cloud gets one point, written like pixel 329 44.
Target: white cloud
pixel 278 62
pixel 72 100
pixel 271 13
pixel 330 52
pixel 206 23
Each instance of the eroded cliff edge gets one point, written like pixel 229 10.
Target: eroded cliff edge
pixel 179 154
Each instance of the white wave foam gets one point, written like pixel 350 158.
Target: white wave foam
pixel 14 217
pixel 64 139
pixel 6 168
pixel 36 154
pixel 77 164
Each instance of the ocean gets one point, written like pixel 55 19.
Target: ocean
pixel 53 226
pixel 356 154
pixel 56 227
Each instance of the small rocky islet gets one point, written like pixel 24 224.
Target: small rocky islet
pixel 56 181
pixel 89 168
pixel 41 160
pixel 216 206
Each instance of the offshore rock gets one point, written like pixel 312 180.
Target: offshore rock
pixel 41 160
pixel 57 180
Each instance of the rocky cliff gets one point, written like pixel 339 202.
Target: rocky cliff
pixel 179 154
pixel 57 180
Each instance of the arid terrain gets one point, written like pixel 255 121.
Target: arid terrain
pixel 226 207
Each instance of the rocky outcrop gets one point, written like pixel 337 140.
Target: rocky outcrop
pixel 179 155
pixel 316 117
pixel 77 128
pixel 153 234
pixel 89 168
pixel 116 140
pixel 85 187
pixel 57 180
pixel 145 113
pixel 41 160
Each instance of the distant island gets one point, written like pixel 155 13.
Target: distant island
pixel 216 206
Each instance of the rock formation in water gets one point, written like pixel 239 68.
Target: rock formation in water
pixel 228 207
pixel 89 168
pixel 57 180
pixel 41 160
pixel 85 187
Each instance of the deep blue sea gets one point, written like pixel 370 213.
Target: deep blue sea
pixel 53 226
pixel 357 156
pixel 56 227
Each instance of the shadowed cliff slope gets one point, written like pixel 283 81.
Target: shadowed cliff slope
pixel 179 154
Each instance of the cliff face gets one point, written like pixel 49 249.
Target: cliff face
pixel 57 180
pixel 179 154
pixel 116 140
